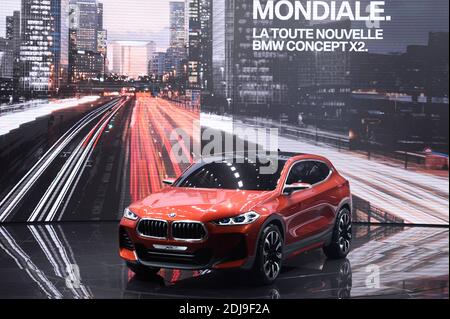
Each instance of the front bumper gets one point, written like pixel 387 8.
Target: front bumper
pixel 224 247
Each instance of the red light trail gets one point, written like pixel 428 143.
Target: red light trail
pixel 151 159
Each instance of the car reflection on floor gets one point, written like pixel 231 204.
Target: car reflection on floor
pixel 80 260
pixel 323 279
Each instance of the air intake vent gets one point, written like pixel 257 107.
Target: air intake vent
pixel 153 228
pixel 124 240
pixel 188 231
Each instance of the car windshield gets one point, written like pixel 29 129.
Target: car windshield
pixel 257 176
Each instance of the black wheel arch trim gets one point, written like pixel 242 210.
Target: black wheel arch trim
pixel 346 201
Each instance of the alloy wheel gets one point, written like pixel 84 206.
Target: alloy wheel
pixel 272 253
pixel 345 232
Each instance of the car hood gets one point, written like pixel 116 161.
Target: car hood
pixel 198 204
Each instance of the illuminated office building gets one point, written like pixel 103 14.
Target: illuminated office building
pixel 177 24
pixel 86 65
pixel 200 44
pixel 6 59
pixel 218 49
pixel 88 40
pixel 13 35
pixel 176 52
pixel 84 20
pixel 157 64
pixel 44 46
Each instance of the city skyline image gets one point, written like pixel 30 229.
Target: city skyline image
pixel 150 25
pixel 150 21
pixel 84 40
pixel 150 18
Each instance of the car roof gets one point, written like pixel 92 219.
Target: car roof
pixel 280 155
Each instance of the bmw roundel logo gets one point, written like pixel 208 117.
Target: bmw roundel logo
pixel 172 215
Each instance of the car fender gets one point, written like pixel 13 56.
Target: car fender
pixel 269 219
pixel 345 201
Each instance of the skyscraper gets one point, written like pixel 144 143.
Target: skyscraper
pixel 13 35
pixel 157 64
pixel 13 30
pixel 177 26
pixel 223 50
pixel 261 79
pixel 6 59
pixel 13 26
pixel 102 34
pixel 44 46
pixel 206 74
pixel 194 44
pixel 130 58
pixel 84 20
pixel 151 49
pixel 99 16
pixel 10 46
pixel 218 48
pixel 88 40
pixel 200 45
pixel 176 52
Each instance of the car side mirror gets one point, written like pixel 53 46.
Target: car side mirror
pixel 169 181
pixel 295 187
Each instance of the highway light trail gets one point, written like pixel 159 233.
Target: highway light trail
pixel 165 128
pixel 44 193
pixel 151 158
pixel 187 120
pixel 51 201
pixel 144 175
pixel 10 201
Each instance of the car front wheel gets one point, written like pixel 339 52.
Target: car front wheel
pixel 269 256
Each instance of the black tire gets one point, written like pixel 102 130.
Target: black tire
pixel 269 256
pixel 142 271
pixel 341 238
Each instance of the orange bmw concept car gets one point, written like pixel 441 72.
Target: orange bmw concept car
pixel 234 212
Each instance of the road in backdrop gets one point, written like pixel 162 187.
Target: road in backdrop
pixel 119 151
pixel 112 154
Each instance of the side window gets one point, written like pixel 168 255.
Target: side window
pixel 319 172
pixel 298 173
pixel 310 172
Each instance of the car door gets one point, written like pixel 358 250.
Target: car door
pixel 304 210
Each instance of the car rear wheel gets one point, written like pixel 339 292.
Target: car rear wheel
pixel 142 271
pixel 269 256
pixel 341 238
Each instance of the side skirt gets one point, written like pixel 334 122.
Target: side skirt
pixel 312 241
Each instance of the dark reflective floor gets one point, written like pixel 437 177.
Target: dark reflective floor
pixel 80 260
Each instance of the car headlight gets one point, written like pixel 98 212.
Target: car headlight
pixel 243 219
pixel 128 214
